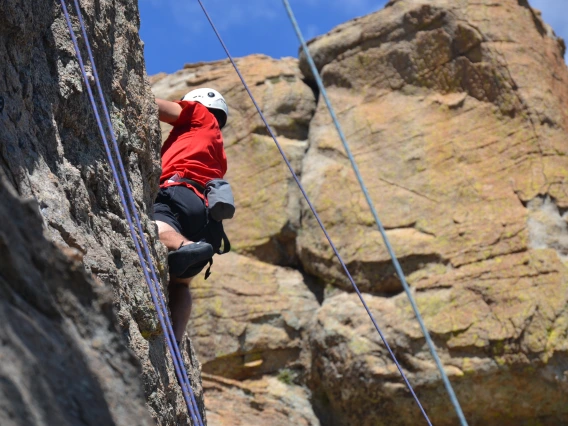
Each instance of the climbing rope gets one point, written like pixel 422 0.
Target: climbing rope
pixel 395 262
pixel 312 208
pixel 146 259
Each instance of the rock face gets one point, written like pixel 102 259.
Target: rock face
pixel 269 401
pixel 51 151
pixel 456 113
pixel 456 128
pixel 251 318
pixel 63 361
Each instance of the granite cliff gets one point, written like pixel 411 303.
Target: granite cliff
pixel 456 112
pixel 81 343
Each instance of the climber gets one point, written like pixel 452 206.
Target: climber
pixel 193 157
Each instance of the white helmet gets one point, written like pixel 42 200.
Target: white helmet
pixel 212 100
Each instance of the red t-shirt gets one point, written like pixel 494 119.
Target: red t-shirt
pixel 194 149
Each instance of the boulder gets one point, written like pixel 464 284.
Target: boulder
pixel 500 327
pixel 266 401
pixel 251 318
pixel 455 112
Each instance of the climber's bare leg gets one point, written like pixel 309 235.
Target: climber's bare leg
pixel 170 237
pixel 178 289
pixel 180 304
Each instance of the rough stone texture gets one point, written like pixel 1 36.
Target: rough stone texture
pixel 62 359
pixel 268 401
pixel 500 326
pixel 50 150
pixel 267 201
pixel 456 112
pixel 250 318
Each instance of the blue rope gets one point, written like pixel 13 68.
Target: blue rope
pixel 155 291
pixel 397 267
pixel 316 215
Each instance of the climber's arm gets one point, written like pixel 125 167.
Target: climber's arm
pixel 168 111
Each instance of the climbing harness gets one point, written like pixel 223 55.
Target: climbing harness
pixel 396 264
pixel 312 208
pixel 145 259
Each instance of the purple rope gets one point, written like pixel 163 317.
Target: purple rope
pixel 170 339
pixel 155 292
pixel 312 208
pixel 380 226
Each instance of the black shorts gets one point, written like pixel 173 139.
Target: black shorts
pixel 183 210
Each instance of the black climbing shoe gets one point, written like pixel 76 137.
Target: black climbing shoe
pixel 186 256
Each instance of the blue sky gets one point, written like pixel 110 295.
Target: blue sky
pixel 175 32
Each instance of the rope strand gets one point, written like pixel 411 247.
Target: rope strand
pixel 312 208
pixel 170 338
pixel 395 261
pixel 155 292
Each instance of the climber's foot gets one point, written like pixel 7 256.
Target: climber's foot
pixel 188 255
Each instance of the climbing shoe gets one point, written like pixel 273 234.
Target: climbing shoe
pixel 187 256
